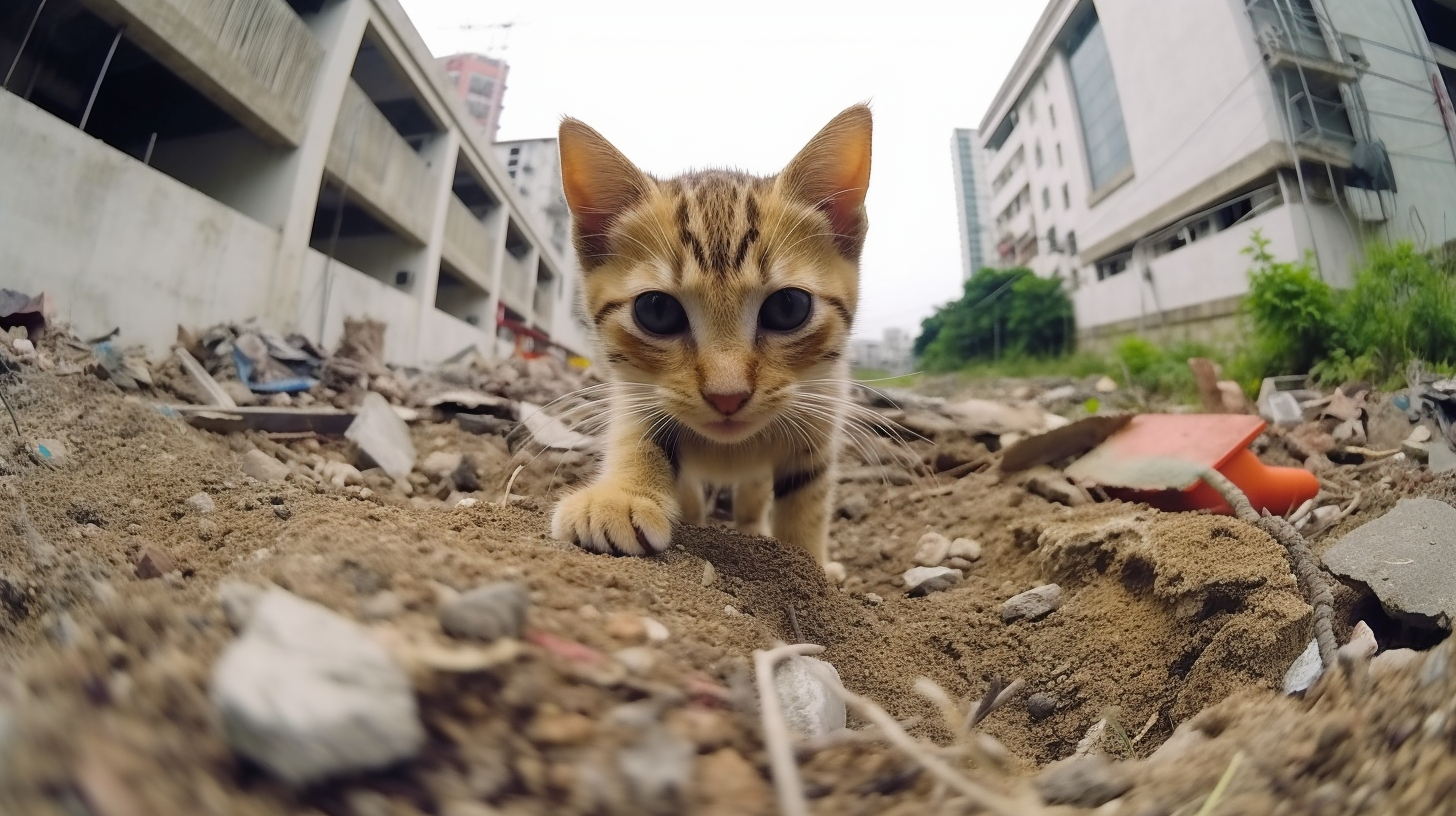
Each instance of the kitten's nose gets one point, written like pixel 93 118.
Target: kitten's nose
pixel 728 404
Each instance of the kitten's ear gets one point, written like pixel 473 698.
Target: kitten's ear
pixel 600 184
pixel 832 174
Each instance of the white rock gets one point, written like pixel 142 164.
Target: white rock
pixel 656 631
pixel 965 548
pixel 1033 604
pixel 806 689
pixel 202 504
pixel 1106 385
pixel 341 474
pixel 932 549
pixel 382 437
pixel 310 695
pixel 468 501
pixel 915 576
pixel 1361 635
pixel 263 467
pixel 24 348
pixel 1305 671
pixel 487 613
pixel 440 464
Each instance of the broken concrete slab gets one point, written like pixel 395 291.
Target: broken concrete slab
pixel 383 437
pixel 1408 559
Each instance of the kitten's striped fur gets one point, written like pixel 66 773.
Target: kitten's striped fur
pixel 729 400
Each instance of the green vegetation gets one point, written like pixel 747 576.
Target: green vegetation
pixel 1009 323
pixel 1002 314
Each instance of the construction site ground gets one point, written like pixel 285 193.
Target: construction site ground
pixel 1175 630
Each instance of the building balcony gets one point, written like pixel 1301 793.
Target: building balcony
pixel 369 157
pixel 518 281
pixel 469 245
pixel 254 58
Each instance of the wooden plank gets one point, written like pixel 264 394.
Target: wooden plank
pixel 323 421
pixel 204 380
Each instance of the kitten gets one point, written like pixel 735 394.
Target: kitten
pixel 722 304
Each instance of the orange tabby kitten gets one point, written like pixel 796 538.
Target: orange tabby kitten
pixel 722 304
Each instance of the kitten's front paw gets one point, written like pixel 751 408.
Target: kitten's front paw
pixel 603 518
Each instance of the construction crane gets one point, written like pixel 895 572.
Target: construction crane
pixel 500 37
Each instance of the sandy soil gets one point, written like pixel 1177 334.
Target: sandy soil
pixel 104 675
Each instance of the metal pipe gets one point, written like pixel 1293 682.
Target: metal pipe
pixel 23 41
pixel 151 143
pixel 95 89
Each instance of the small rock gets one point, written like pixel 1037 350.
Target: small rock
pixel 1054 487
pixel 658 769
pixel 807 690
pixel 465 476
pixel 381 606
pixel 853 506
pixel 637 659
pixel 656 631
pixel 552 726
pixel 1419 434
pixel 53 452
pixel 1090 781
pixel 1363 639
pixel 922 581
pixel 467 502
pixel 1033 604
pixel 154 563
pixel 1416 452
pixel 873 599
pixel 238 600
pixel 1040 706
pixel 309 695
pixel 966 548
pixel 959 563
pixel 1304 671
pixel 731 611
pixel 382 437
pixel 23 347
pixel 1106 385
pixel 202 504
pixel 263 467
pixel 488 613
pixel 726 783
pixel 834 572
pixel 283 512
pixel 340 474
pixel 710 575
pixel 206 529
pixel 440 464
pixel 932 549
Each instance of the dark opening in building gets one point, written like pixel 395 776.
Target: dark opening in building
pixel 458 297
pixel 382 79
pixel 349 233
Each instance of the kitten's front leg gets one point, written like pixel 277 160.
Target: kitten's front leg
pixel 631 506
pixel 802 495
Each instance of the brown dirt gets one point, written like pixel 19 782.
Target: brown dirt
pixel 106 675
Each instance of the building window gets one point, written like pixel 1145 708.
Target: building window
pixel 1030 113
pixel 1052 240
pixel 1103 131
pixel 1113 265
pixel 1059 154
pixel 1072 247
pixel 1038 154
pixel 482 84
pixel 1052 114
pixel 1046 198
pixel 1066 197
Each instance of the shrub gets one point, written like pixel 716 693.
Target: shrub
pixel 1002 313
pixel 1291 314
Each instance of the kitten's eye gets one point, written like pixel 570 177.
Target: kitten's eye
pixel 785 310
pixel 659 313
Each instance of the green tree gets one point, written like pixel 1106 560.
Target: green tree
pixel 1001 313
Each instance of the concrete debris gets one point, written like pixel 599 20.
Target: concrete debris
pixel 965 548
pixel 487 613
pixel 263 467
pixel 921 581
pixel 933 548
pixel 53 452
pixel 1033 604
pixel 382 437
pixel 1408 558
pixel 1304 671
pixel 1088 782
pixel 440 464
pixel 309 695
pixel 806 689
pixel 550 432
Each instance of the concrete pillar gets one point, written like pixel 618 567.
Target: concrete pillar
pixel 439 155
pixel 293 191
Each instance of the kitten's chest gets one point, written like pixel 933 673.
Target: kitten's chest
pixel 727 463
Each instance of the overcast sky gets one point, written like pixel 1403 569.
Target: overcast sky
pixel 677 85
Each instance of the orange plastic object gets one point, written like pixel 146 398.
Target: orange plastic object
pixel 1149 461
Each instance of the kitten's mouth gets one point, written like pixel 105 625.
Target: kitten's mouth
pixel 728 430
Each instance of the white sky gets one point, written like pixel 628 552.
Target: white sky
pixel 677 85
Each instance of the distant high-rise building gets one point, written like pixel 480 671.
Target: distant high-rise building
pixel 972 199
pixel 481 82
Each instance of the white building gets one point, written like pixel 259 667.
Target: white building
pixel 1135 147
pixel 973 201
pixel 891 353
pixel 173 162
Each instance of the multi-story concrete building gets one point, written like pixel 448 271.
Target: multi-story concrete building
pixel 481 82
pixel 171 162
pixel 891 353
pixel 973 200
pixel 1136 146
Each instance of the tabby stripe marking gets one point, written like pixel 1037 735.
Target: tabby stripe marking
pixel 607 310
pixel 842 309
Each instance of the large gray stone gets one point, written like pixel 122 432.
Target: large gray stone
pixel 309 695
pixel 1408 558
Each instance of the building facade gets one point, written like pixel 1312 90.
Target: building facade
pixel 973 200
pixel 890 354
pixel 481 82
pixel 1136 146
pixel 294 161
